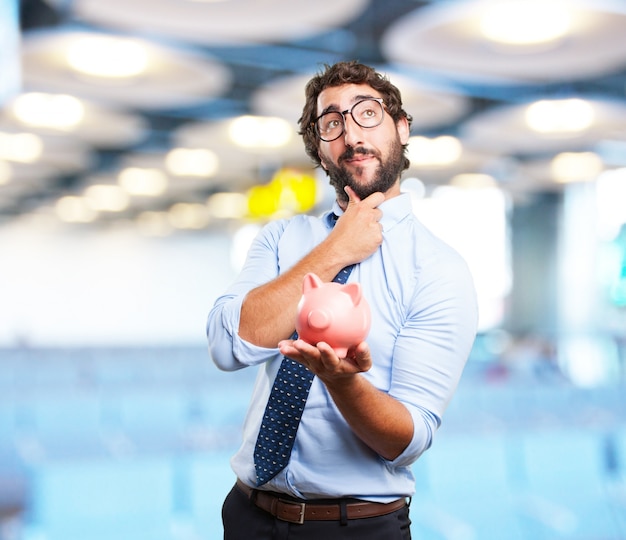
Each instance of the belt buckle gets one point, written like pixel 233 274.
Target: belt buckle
pixel 287 517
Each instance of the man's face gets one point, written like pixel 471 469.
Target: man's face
pixel 366 159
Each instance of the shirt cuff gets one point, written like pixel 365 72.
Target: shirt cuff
pixel 230 351
pixel 248 354
pixel 424 426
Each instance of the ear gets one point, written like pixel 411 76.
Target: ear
pixel 354 291
pixel 311 281
pixel 404 131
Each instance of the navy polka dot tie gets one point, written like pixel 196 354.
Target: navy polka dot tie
pixel 283 412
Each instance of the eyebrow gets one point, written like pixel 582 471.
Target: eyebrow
pixel 355 99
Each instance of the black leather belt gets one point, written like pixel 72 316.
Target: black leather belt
pixel 299 512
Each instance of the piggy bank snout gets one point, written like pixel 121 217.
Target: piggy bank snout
pixel 318 319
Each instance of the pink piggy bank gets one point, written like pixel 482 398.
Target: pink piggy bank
pixel 334 313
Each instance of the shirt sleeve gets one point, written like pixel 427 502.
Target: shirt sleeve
pixel 226 348
pixel 432 349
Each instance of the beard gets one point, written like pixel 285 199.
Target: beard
pixel 387 174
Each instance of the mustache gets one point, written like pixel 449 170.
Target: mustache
pixel 351 152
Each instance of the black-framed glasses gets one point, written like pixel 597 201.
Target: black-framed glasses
pixel 367 113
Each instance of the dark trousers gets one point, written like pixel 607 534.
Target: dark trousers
pixel 243 520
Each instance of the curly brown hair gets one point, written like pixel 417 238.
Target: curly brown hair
pixel 347 72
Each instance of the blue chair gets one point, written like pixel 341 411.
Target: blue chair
pixel 563 493
pixel 101 499
pixel 468 495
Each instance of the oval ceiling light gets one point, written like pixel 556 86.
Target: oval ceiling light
pixel 107 198
pixel 260 132
pixel 239 166
pixel 220 23
pixel 446 38
pixel 192 162
pixel 140 181
pixel 56 111
pixel 507 129
pixel 559 116
pixel 20 147
pixel 131 73
pixel 107 56
pixel 72 209
pixel 576 167
pixel 227 205
pixel 525 22
pixel 189 216
pixel 93 124
pixel 437 152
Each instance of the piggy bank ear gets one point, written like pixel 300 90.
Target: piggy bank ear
pixel 353 290
pixel 311 281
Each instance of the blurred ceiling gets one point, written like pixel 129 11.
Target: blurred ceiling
pixel 120 94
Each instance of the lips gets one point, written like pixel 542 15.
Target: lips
pixel 357 159
pixel 357 156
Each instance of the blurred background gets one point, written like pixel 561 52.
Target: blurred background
pixel 143 144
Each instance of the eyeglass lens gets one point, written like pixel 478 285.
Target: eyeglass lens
pixel 367 113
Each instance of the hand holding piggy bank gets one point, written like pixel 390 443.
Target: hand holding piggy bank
pixel 334 313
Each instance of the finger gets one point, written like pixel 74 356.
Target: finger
pixel 327 355
pixel 285 345
pixel 291 349
pixel 305 351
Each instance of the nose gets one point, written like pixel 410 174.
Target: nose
pixel 352 132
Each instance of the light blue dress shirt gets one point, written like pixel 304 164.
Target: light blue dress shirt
pixel 424 319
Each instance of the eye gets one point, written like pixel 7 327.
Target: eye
pixel 369 112
pixel 330 122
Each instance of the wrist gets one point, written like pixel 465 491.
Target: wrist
pixel 346 384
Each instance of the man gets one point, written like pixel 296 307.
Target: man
pixel 370 415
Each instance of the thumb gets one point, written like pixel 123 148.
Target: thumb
pixel 362 356
pixel 353 198
pixel 374 199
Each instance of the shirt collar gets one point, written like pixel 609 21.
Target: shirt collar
pixel 394 210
